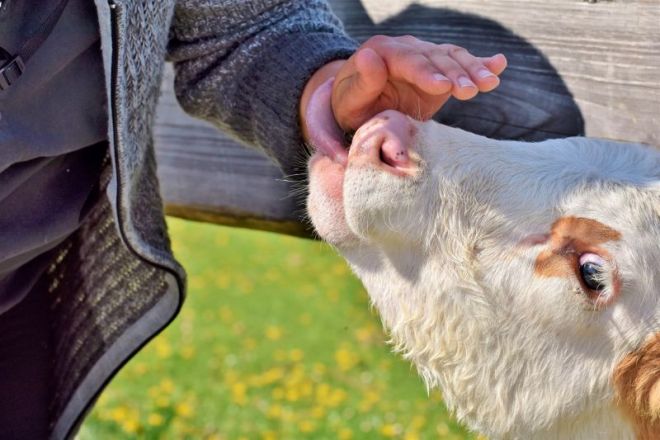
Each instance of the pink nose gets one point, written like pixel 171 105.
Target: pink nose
pixel 384 141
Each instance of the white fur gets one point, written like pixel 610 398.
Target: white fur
pixel 517 356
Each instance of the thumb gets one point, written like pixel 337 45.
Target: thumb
pixel 357 88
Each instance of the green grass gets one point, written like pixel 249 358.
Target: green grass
pixel 276 341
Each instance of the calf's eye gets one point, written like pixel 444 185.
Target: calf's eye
pixel 591 271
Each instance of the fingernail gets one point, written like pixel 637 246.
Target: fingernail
pixel 440 77
pixel 464 81
pixel 485 73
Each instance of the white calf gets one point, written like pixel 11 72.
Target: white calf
pixel 521 279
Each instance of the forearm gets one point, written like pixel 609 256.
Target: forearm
pixel 244 65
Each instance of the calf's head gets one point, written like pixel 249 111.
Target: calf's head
pixel 521 279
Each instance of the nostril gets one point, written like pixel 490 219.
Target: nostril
pixel 393 152
pixel 386 141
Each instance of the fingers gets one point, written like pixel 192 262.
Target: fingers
pixel 409 75
pixel 473 67
pixel 438 69
pixel 357 86
pixel 370 73
pixel 463 85
pixel 496 63
pixel 407 62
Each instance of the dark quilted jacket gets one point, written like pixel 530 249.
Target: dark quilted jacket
pixel 241 65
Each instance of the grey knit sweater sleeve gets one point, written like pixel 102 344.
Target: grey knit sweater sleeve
pixel 243 64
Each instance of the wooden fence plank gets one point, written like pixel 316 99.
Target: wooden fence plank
pixel 605 54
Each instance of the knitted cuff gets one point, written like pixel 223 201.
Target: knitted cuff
pixel 280 78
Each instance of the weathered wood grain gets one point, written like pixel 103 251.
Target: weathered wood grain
pixel 605 55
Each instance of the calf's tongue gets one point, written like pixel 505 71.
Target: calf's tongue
pixel 324 133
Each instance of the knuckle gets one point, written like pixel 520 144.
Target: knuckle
pixel 457 50
pixel 445 47
pixel 418 62
pixel 377 40
pixel 407 39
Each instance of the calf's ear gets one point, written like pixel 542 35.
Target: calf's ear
pixel 637 382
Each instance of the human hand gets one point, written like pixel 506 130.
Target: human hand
pixel 409 75
pixel 403 73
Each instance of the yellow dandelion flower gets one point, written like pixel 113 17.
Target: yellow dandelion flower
pixel 411 435
pixel 306 388
pixel 296 355
pixel 223 280
pixel 273 332
pixel 442 429
pixel 345 359
pixel 274 412
pixel 162 402
pixel 155 419
pixel 345 434
pixel 140 368
pixel 104 398
pixel 267 378
pixel 292 395
pixel 319 369
pixel 418 422
pixel 167 385
pixel 187 351
pixel 249 343
pixel 369 399
pixel 273 375
pixel 226 314
pixel 306 426
pixel 130 426
pixel 365 334
pixel 389 430
pixel 318 412
pixel 238 328
pixel 183 409
pixel 119 414
pixel 163 348
pixel 336 397
pixel 269 435
pixel 339 269
pixel 322 393
pixel 239 393
pixel 231 376
pixel 288 416
pixel 153 392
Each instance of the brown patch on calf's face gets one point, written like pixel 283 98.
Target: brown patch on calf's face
pixel 571 237
pixel 637 383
